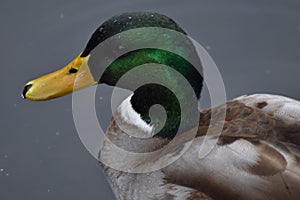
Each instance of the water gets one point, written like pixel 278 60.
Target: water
pixel 255 44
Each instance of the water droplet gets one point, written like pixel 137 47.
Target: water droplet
pixel 130 136
pixel 48 190
pixel 152 15
pixel 208 47
pixel 1 170
pixel 101 29
pixel 5 156
pixel 129 18
pixel 166 35
pixel 115 20
pixel 7 174
pixel 121 47
pixel 61 15
pixel 100 97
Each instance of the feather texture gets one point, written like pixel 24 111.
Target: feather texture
pixel 257 156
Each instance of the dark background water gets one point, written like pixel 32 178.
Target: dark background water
pixel 255 43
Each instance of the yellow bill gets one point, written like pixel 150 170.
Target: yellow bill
pixel 76 75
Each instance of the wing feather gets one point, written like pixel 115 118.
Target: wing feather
pixel 257 155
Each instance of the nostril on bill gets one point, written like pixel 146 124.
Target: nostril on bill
pixel 26 88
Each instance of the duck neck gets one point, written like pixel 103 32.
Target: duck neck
pixel 151 94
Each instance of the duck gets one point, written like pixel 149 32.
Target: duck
pixel 255 154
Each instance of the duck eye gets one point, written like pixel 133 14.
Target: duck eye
pixel 73 71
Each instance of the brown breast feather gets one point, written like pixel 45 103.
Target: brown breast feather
pixel 276 141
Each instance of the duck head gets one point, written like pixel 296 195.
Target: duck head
pixel 103 62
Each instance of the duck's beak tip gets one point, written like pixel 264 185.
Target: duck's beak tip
pixel 25 90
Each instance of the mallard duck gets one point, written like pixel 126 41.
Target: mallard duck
pixel 256 156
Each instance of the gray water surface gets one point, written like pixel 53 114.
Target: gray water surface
pixel 255 44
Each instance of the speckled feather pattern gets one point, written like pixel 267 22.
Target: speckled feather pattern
pixel 257 157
